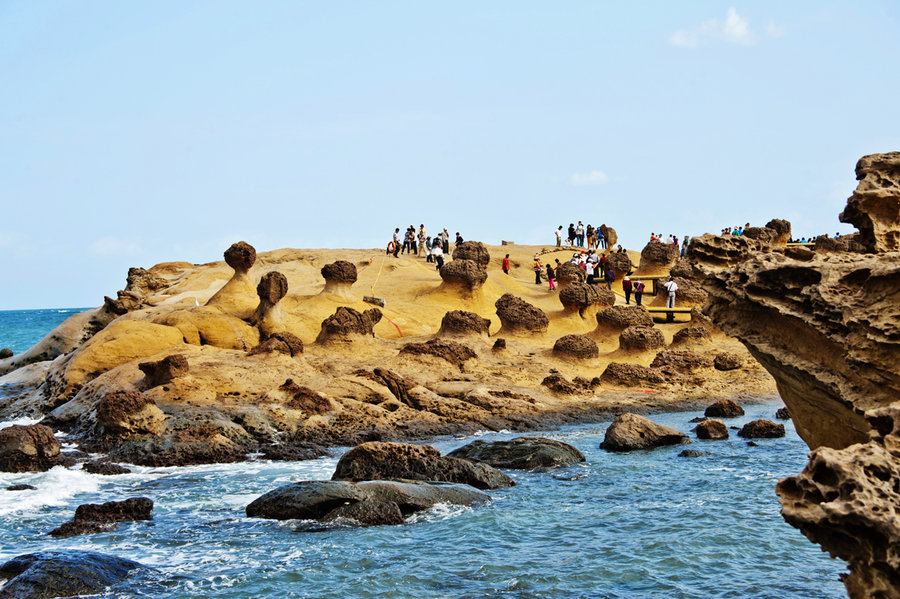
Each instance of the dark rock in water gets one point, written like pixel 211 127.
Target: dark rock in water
pixel 711 430
pixel 762 429
pixel 451 351
pixel 368 513
pixel 6 353
pixel 198 445
pixel 724 408
pixel 104 468
pixel 752 444
pixel 293 452
pixel 91 517
pixel 632 431
pixel 315 500
pixel 783 414
pixel 521 453
pixel 381 460
pixel 693 453
pixel 63 574
pixel 21 488
pixel 31 448
pixel 698 419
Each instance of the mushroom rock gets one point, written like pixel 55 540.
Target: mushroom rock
pixel 679 361
pixel 691 335
pixel 658 256
pixel 581 296
pixel 209 325
pixel 347 324
pixel 28 448
pixel 874 208
pixel 238 296
pixel 163 371
pixel 615 319
pixel 281 342
pixel 272 287
pixel 376 460
pixel 126 413
pixel 339 277
pixel 475 251
pixel 638 338
pixel 463 276
pixel 451 351
pixel 621 264
pixel 632 431
pixel 518 317
pixel 569 272
pixel 580 347
pixel 459 323
pixel 711 430
pixel 609 234
pixel 782 230
pixel 630 375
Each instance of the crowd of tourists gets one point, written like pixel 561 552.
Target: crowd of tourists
pixel 418 242
pixel 579 235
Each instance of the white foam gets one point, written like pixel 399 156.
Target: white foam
pixel 54 488
pixel 24 420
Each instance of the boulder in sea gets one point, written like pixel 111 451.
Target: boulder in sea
pixel 281 342
pixel 318 500
pixel 197 445
pixel 104 468
pixel 783 413
pixel 6 353
pixel 761 429
pixel 724 408
pixel 125 413
pixel 28 448
pixel 521 453
pixel 638 338
pixel 475 251
pixel 459 323
pixel 377 460
pixel 346 324
pixel 451 351
pixel 21 488
pixel 633 431
pixel 626 374
pixel 92 518
pixel 518 317
pixel 163 371
pixel 64 574
pixel 693 453
pixel 579 347
pixel 712 430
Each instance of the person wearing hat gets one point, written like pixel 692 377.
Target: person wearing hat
pixel 537 270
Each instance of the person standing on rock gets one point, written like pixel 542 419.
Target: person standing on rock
pixel 438 254
pixel 537 270
pixel 626 287
pixel 396 241
pixel 589 231
pixel 671 287
pixel 505 264
pixel 571 234
pixel 579 234
pixel 638 291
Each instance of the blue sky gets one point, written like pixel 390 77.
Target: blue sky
pixel 136 133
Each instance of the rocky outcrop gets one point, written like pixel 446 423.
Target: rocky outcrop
pixel 874 208
pixel 630 375
pixel 451 351
pixel 272 287
pixel 346 324
pixel 837 245
pixel 621 264
pixel 720 250
pixel 64 574
pixel 658 257
pixel 615 319
pixel 637 338
pixel 579 347
pixel 459 323
pixel 609 234
pixel 680 361
pixel 339 278
pixel 711 430
pixel 521 453
pixel 728 361
pixel 724 408
pixel 31 448
pixel 475 251
pixel 209 325
pixel 198 445
pixel 92 518
pixel 584 298
pixel 463 276
pixel 761 429
pixel 691 336
pixel 390 461
pixel 238 296
pixel 578 386
pixel 632 431
pixel 518 317
pixel 162 372
pixel 126 413
pixel 690 293
pixel 367 502
pixel 569 272
pixel 281 343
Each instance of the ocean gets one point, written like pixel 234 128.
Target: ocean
pixel 638 524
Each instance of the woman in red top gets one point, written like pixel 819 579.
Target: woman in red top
pixel 505 265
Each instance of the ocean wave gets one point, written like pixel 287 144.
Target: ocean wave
pixel 54 488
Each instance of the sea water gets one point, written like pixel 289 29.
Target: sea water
pixel 638 524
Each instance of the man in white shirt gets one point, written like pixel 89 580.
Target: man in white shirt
pixel 558 236
pixel 671 286
pixel 396 241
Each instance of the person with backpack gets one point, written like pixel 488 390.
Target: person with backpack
pixel 638 291
pixel 537 270
pixel 627 287
pixel 672 287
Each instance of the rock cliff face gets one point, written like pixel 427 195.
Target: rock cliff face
pixel 827 327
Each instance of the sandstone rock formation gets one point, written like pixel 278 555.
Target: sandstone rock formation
pixel 92 518
pixel 339 278
pixel 5 353
pixel 386 461
pixel 346 324
pixel 728 361
pixel 609 234
pixel 691 335
pixel 874 208
pixel 711 430
pixel 724 408
pixel 630 375
pixel 280 342
pixel 451 351
pixel 658 257
pixel 474 251
pixel 459 323
pixel 579 347
pixel 164 371
pixel 238 296
pixel 621 264
pixel 638 338
pixel 126 413
pixel 569 272
pixel 632 431
pixel 209 325
pixel 585 299
pixel 463 276
pixel 28 448
pixel 680 361
pixel 521 453
pixel 271 288
pixel 615 319
pixel 518 317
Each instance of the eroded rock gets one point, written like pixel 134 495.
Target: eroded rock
pixel 692 336
pixel 658 256
pixel 164 371
pixel 728 361
pixel 633 431
pixel 475 251
pixel 630 375
pixel 281 342
pixel 638 338
pixel 464 276
pixel 339 278
pixel 451 351
pixel 724 408
pixel 581 296
pixel 28 448
pixel 761 429
pixel 711 430
pixel 569 272
pixel 125 413
pixel 615 319
pixel 874 208
pixel 579 347
pixel 347 324
pixel 92 518
pixel 238 296
pixel 518 317
pixel 459 323
pixel 64 574
pixel 521 453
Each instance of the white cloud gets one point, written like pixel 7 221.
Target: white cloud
pixel 591 178
pixel 775 30
pixel 112 246
pixel 734 29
